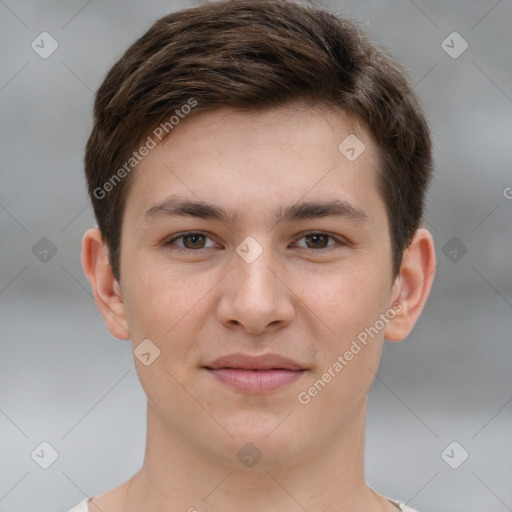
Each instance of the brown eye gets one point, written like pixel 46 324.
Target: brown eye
pixel 317 241
pixel 189 242
pixel 320 240
pixel 193 241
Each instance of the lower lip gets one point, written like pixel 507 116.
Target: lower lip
pixel 256 381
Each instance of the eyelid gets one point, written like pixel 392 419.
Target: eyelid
pixel 177 236
pixel 341 241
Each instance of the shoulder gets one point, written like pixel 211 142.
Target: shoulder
pixel 402 506
pixel 81 507
pixel 405 508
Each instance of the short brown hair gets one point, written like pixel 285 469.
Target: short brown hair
pixel 254 55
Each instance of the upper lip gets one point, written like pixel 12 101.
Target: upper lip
pixel 248 362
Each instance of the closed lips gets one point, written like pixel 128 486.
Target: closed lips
pixel 247 374
pixel 257 363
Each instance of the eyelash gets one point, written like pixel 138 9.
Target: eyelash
pixel 169 242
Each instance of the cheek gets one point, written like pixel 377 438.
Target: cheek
pixel 349 354
pixel 164 306
pixel 349 304
pixel 346 300
pixel 165 311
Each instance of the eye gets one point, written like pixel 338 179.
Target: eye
pixel 319 240
pixel 191 241
pixel 194 241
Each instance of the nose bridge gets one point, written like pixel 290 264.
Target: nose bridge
pixel 255 297
pixel 252 270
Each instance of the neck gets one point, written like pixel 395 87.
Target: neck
pixel 177 476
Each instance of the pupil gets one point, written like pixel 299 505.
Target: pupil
pixel 316 239
pixel 194 240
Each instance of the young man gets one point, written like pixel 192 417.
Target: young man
pixel 258 171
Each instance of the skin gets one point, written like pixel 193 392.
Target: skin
pixel 304 299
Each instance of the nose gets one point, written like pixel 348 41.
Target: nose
pixel 256 296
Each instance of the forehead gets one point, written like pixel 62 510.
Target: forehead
pixel 258 162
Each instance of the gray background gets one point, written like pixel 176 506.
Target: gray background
pixel 65 380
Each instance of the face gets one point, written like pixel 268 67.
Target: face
pixel 261 270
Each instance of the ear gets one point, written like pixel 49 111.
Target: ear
pixel 412 286
pixel 106 290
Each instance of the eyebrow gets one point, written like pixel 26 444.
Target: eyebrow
pixel 174 206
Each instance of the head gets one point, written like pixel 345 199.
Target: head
pixel 245 107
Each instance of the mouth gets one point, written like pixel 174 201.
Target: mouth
pixel 256 381
pixel 255 374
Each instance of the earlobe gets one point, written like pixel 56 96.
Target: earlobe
pixel 107 292
pixel 413 285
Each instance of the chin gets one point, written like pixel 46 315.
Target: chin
pixel 259 442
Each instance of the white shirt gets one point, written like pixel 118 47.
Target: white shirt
pixel 82 506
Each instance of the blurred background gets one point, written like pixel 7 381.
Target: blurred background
pixel 440 412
